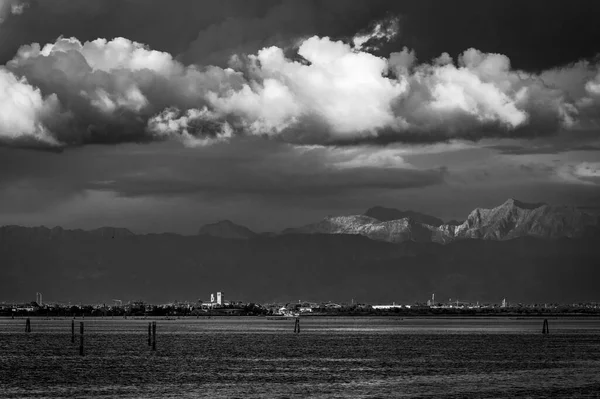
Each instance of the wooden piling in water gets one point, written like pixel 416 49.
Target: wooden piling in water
pixel 153 335
pixel 149 334
pixel 72 331
pixel 28 325
pixel 545 328
pixel 297 326
pixel 81 338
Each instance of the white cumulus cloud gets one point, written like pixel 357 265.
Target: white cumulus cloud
pixel 24 111
pixel 329 92
pixel 195 128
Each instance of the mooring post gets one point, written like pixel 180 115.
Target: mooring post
pixel 72 331
pixel 153 335
pixel 149 334
pixel 545 328
pixel 28 325
pixel 297 326
pixel 81 338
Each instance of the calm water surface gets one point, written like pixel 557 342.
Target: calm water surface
pixel 331 357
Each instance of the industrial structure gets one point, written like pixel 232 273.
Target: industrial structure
pixel 38 298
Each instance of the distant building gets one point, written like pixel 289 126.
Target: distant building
pixel 504 303
pixel 220 298
pixel 431 302
pixel 212 298
pixel 38 298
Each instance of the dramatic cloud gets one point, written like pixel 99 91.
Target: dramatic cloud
pixel 329 92
pixel 24 111
pixel 334 86
pixel 196 128
pixel 111 90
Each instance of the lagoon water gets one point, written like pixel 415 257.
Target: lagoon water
pixel 345 357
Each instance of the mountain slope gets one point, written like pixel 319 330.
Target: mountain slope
pixel 517 219
pixel 386 214
pixel 510 220
pixel 226 229
pixel 394 231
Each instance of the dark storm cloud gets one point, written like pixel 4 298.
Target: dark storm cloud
pixel 247 169
pixel 252 168
pixel 545 149
pixel 566 141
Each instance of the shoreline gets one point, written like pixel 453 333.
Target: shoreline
pixel 578 316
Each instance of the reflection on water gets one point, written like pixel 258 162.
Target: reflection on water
pixel 331 357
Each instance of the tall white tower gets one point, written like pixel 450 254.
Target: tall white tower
pixel 212 298
pixel 38 298
pixel 220 298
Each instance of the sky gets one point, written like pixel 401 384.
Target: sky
pixel 163 116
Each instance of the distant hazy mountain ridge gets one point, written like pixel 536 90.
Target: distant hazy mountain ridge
pixel 226 229
pixel 56 232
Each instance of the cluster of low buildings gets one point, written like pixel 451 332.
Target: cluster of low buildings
pixel 218 303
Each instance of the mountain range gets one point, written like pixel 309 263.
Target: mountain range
pixel 510 220
pixel 524 252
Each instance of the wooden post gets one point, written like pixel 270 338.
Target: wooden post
pixel 545 328
pixel 149 334
pixel 28 325
pixel 81 338
pixel 153 335
pixel 297 326
pixel 72 331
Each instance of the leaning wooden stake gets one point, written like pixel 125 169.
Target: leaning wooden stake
pixel 81 338
pixel 153 335
pixel 28 325
pixel 149 334
pixel 297 326
pixel 73 331
pixel 545 328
